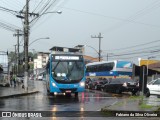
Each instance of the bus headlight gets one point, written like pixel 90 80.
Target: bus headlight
pixel 82 84
pixel 53 84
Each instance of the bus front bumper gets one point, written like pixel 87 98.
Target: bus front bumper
pixel 67 88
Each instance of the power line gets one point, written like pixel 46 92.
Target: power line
pixel 141 49
pixel 135 16
pixel 8 27
pixel 111 17
pixel 139 56
pixel 140 52
pixel 8 10
pixel 13 3
pixel 39 4
pixel 53 3
pixel 134 45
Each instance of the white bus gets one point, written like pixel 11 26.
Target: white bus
pixel 109 69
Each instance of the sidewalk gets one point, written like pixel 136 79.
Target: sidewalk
pixel 135 103
pixel 6 92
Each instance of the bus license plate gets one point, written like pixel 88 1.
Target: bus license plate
pixel 68 91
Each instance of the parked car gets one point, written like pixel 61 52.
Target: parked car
pixel 120 85
pixel 90 82
pixel 87 82
pixel 154 86
pixel 40 77
pixel 100 83
pixel 95 83
pixel 31 77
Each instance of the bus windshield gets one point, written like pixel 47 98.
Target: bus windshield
pixel 67 70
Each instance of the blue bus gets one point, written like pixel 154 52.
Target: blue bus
pixel 109 69
pixel 65 73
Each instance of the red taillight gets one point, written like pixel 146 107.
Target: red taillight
pixel 114 76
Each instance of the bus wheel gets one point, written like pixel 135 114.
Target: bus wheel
pixel 48 93
pixel 76 94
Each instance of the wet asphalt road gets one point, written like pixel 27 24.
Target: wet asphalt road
pixel 86 101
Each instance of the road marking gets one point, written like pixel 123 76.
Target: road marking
pixel 114 103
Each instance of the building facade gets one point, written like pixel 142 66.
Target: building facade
pixel 40 62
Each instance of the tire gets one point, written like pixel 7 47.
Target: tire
pixel 48 92
pixel 134 92
pixel 147 93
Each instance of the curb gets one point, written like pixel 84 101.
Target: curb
pixel 110 109
pixel 20 94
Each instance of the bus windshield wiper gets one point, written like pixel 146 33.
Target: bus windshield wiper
pixel 56 65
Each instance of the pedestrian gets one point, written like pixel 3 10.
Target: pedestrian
pixel 11 78
pixel 18 80
pixel 14 80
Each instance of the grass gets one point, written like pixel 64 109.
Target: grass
pixel 145 106
pixel 142 104
pixel 136 97
pixel 158 109
pixel 119 103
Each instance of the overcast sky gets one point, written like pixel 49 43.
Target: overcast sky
pixel 130 28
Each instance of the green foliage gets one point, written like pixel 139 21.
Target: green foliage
pixel 136 97
pixel 145 106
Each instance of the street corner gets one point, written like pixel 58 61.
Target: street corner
pixel 133 103
pixel 125 104
pixel 113 107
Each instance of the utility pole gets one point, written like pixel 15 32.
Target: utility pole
pixel 14 69
pixel 26 41
pixel 18 34
pixel 99 36
pixel 25 16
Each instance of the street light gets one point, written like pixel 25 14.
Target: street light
pixel 38 39
pixel 39 15
pixel 59 12
pixel 93 49
pixel 148 63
